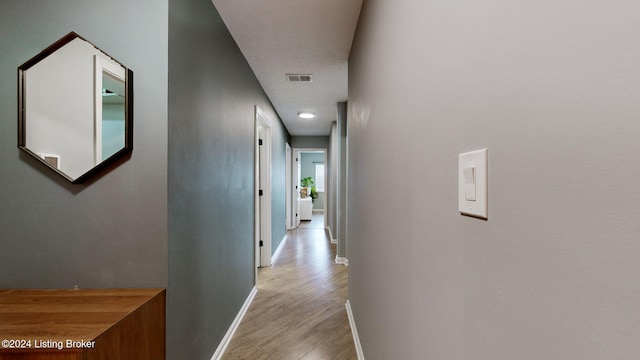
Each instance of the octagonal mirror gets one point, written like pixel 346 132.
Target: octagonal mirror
pixel 75 110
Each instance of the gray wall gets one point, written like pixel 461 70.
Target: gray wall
pixel 310 141
pixel 308 168
pixel 551 88
pixel 111 232
pixel 211 178
pixel 279 139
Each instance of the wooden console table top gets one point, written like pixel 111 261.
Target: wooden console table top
pixel 112 318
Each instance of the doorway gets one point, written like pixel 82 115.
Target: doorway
pixel 289 217
pixel 310 162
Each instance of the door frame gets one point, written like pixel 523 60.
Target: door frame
pixel 262 179
pixel 295 180
pixel 289 219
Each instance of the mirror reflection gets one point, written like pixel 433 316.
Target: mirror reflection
pixel 75 107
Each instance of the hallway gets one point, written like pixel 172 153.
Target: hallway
pixel 299 310
pixel 316 222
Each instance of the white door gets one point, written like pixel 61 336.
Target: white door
pixel 262 221
pixel 261 204
pixel 296 187
pixel 289 220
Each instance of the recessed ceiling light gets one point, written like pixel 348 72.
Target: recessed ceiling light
pixel 306 115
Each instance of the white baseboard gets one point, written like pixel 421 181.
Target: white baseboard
pixel 276 254
pixel 234 326
pixel 333 241
pixel 342 260
pixel 354 332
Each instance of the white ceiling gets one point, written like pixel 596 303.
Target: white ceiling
pixel 280 37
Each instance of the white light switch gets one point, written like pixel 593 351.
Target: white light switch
pixel 469 183
pixel 472 183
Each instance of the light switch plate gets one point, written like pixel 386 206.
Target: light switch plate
pixel 478 160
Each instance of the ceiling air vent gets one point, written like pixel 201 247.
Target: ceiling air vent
pixel 299 77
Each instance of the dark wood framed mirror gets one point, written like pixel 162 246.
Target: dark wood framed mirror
pixel 75 108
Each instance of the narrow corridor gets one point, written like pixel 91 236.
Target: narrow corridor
pixel 299 310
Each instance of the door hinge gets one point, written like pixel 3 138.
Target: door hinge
pixel 261 243
pixel 259 141
pixel 259 192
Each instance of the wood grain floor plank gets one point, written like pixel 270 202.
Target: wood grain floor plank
pixel 298 312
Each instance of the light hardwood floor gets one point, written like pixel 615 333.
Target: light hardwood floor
pixel 299 311
pixel 317 222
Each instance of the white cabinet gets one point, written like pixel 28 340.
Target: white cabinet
pixel 306 208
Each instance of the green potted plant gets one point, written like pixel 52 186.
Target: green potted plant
pixel 305 184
